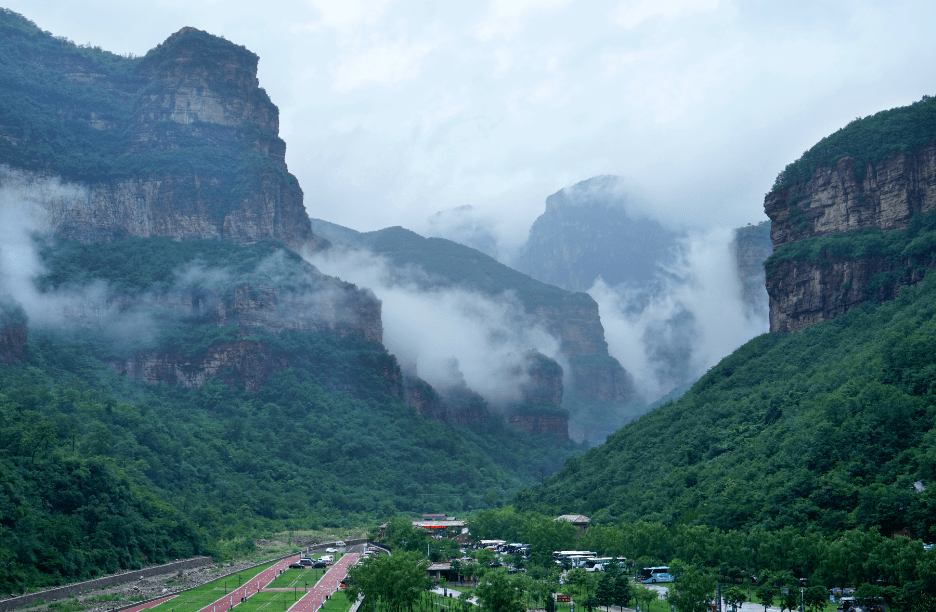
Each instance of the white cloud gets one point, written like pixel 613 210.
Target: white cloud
pixel 697 319
pixel 394 110
pixel 632 13
pixel 505 17
pixel 429 328
pixel 382 64
pixel 346 14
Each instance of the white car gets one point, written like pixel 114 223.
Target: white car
pixel 331 550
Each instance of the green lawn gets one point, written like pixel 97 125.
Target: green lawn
pixel 338 602
pixel 199 597
pixel 297 578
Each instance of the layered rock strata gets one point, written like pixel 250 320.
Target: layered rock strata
pixel 195 150
pixel 837 199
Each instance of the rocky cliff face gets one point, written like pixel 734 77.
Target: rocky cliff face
pixel 544 380
pixel 752 247
pixel 310 303
pixel 806 293
pixel 182 143
pixel 245 363
pixel 844 198
pixel 838 199
pixel 586 233
pixel 12 339
pixel 538 423
pixel 191 149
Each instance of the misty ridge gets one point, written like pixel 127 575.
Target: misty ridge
pixel 672 300
pixel 451 336
pixel 140 294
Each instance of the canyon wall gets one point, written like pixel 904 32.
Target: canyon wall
pixel 843 198
pixel 191 148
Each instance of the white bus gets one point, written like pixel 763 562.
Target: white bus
pixel 598 564
pixel 576 557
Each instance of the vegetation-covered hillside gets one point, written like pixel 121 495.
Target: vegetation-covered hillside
pixel 829 428
pixel 101 472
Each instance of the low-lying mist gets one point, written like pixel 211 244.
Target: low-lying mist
pixel 447 335
pixel 695 317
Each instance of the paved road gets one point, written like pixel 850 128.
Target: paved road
pixel 327 585
pixel 250 587
pixel 149 604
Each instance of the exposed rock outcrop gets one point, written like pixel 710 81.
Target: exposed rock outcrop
pixel 839 199
pixel 13 337
pixel 245 363
pixel 806 293
pixel 843 198
pixel 420 395
pixel 546 422
pixel 194 151
pixel 543 386
pixel 752 246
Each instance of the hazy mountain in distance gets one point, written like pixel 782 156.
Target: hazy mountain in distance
pixel 657 288
pixel 587 232
pixel 463 226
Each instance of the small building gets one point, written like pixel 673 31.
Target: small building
pixel 441 525
pixel 579 520
pixel 439 571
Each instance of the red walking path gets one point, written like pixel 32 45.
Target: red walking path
pixel 312 600
pixel 250 587
pixel 149 604
pixel 325 587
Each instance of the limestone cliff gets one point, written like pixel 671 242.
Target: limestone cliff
pixel 554 423
pixel 12 337
pixel 587 232
pixel 181 143
pixel 543 386
pixel 843 198
pixel 752 247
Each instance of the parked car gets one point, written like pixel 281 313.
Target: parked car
pixel 296 566
pixel 320 563
pixel 306 562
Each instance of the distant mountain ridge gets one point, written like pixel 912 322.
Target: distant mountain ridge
pixel 596 377
pixel 586 232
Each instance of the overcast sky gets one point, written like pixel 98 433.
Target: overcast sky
pixel 393 110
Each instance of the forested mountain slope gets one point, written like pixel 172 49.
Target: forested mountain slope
pixel 829 427
pixel 101 472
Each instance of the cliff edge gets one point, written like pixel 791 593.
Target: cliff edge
pixel 839 213
pixel 182 142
